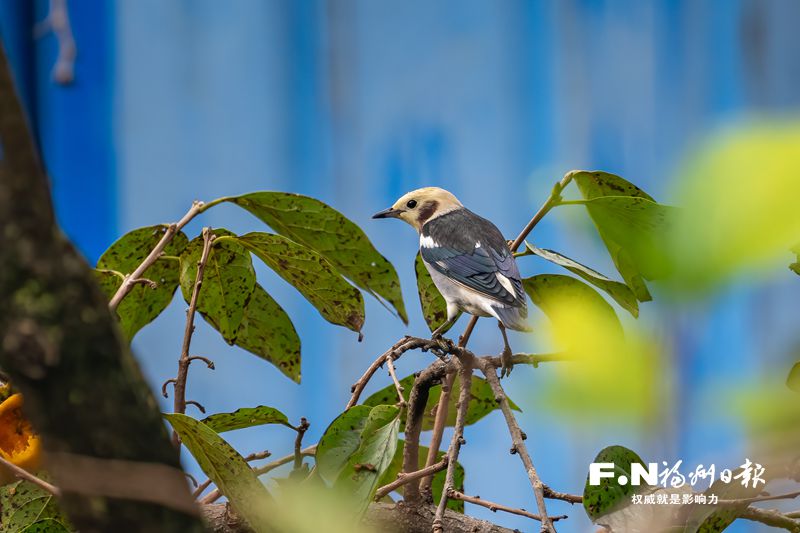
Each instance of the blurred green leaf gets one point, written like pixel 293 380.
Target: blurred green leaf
pixel 318 226
pixel 337 301
pixel 24 505
pixel 366 466
pixel 144 302
pixel 434 308
pixel 267 331
pixel 481 401
pixel 610 495
pixel 793 380
pixel 340 440
pixel 620 292
pixel 437 485
pixel 228 281
pixel 795 267
pixel 739 202
pixel 225 468
pixel 246 417
pixel 48 525
pixel 632 253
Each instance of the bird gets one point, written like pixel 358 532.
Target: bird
pixel 468 259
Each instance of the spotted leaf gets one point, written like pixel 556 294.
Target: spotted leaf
pixel 434 308
pixel 245 417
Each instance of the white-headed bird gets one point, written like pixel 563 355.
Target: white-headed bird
pixel 469 260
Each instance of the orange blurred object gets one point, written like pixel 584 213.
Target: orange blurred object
pixel 18 443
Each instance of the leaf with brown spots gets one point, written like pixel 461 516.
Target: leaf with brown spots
pixel 144 302
pixel 26 507
pixel 434 308
pixel 311 274
pixel 225 468
pixel 318 226
pixel 228 282
pixel 246 417
pixel 481 401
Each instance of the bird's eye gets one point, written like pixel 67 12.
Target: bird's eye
pixel 411 204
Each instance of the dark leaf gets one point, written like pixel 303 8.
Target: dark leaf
pixel 793 379
pixel 225 468
pixel 434 308
pixel 24 505
pixel 610 495
pixel 245 417
pixel 620 292
pixel 318 226
pixel 312 275
pixel 144 302
pixel 228 282
pixel 340 440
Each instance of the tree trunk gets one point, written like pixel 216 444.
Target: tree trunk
pixel 100 425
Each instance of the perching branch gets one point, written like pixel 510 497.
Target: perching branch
pixel 517 439
pixel 21 473
pixel 465 375
pixel 179 388
pixel 494 507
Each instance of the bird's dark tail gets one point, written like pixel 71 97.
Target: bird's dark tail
pixel 513 318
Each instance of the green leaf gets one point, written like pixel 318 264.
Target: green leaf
pixel 267 331
pixel 228 281
pixel 340 440
pixel 365 467
pixel 481 401
pixel 24 505
pixel 602 184
pixel 337 301
pixel 793 380
pixel 318 226
pixel 437 485
pixel 48 525
pixel 144 302
pixel 434 308
pixel 795 267
pixel 620 292
pixel 225 468
pixel 557 295
pixel 610 495
pixel 246 417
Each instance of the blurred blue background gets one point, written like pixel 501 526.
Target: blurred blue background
pixel 356 102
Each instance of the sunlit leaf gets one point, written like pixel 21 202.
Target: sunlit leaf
pixel 340 440
pixel 24 505
pixel 595 183
pixel 318 226
pixel 795 267
pixel 365 467
pixel 434 308
pixel 225 468
pixel 228 281
pixel 437 484
pixel 245 417
pixel 481 403
pixel 793 380
pixel 144 302
pixel 267 331
pixel 620 292
pixel 312 275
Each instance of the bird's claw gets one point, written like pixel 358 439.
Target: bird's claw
pixel 507 361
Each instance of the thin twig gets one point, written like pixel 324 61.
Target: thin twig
pixel 770 517
pixel 196 404
pixel 129 281
pixel 393 373
pixel 534 359
pixel 767 498
pixel 563 496
pixel 209 363
pixel 403 478
pixel 57 21
pixel 494 507
pixel 298 442
pixel 517 439
pixel 441 411
pixel 179 388
pixel 215 494
pixel 27 476
pixel 465 374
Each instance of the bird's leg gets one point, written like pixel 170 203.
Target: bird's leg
pixel 437 333
pixel 506 357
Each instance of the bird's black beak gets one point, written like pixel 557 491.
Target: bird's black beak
pixel 388 213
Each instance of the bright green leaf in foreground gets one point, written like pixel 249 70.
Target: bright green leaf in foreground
pixel 620 292
pixel 145 301
pixel 245 417
pixel 793 380
pixel 795 267
pixel 318 226
pixel 228 282
pixel 27 507
pixel 311 274
pixel 481 401
pixel 434 308
pixel 600 500
pixel 340 441
pixel 225 468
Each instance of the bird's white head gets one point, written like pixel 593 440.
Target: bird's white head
pixel 419 206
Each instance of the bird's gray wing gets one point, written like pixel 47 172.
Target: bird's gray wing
pixel 471 251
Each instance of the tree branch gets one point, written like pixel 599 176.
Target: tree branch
pixel 298 442
pixel 179 387
pixel 403 478
pixel 494 507
pixel 771 518
pixel 21 473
